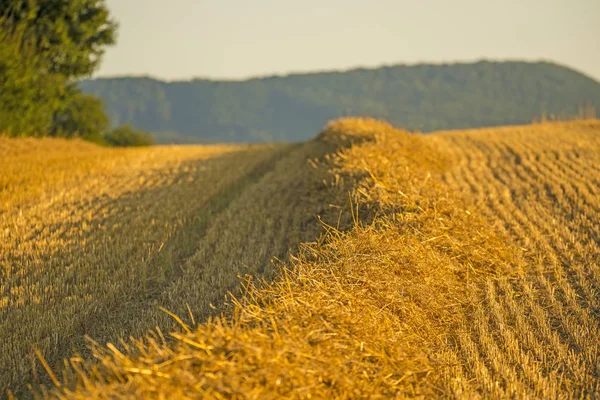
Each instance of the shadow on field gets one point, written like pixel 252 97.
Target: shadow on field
pixel 115 264
pixel 181 243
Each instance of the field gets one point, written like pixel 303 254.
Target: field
pixel 457 264
pixel 93 240
pixel 539 332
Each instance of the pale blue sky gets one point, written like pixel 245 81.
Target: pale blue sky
pixel 182 39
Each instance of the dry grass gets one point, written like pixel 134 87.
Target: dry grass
pixel 89 236
pixel 451 281
pixel 537 334
pixel 369 312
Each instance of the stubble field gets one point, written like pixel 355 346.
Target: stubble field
pixel 458 264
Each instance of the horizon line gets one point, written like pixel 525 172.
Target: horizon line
pixel 275 75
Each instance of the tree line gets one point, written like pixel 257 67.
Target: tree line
pixel 46 48
pixel 295 107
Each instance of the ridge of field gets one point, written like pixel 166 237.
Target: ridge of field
pixel 94 240
pixel 375 311
pixel 536 335
pixel 469 269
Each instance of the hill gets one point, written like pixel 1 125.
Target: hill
pixel 465 265
pixel 291 108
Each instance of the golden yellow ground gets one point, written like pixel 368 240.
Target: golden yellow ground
pixel 92 239
pixel 537 333
pixel 463 264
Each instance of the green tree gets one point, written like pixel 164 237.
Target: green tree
pixel 29 92
pixel 80 115
pixel 125 135
pixel 45 45
pixel 72 34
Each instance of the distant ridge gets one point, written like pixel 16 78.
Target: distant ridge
pixel 292 107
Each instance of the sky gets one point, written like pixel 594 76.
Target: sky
pixel 237 39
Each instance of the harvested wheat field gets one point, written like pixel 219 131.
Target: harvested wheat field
pixel 458 264
pixel 537 333
pixel 94 240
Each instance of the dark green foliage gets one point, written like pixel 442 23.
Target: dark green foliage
pixel 125 135
pixel 96 138
pixel 292 108
pixel 80 115
pixel 29 94
pixel 71 34
pixel 44 46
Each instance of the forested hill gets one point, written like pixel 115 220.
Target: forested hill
pixel 294 107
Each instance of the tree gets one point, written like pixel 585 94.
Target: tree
pixel 29 93
pixel 72 34
pixel 45 45
pixel 80 115
pixel 125 135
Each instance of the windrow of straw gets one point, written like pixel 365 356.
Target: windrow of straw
pixel 375 311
